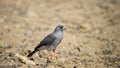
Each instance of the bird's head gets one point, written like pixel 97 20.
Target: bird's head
pixel 59 28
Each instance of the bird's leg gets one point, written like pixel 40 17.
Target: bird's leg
pixel 53 54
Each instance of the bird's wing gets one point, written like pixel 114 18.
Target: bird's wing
pixel 48 40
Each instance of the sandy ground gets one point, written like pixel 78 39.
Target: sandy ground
pixel 92 38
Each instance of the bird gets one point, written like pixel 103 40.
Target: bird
pixel 50 42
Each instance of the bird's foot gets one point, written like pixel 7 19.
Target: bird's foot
pixel 53 54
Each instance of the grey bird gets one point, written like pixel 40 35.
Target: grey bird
pixel 50 42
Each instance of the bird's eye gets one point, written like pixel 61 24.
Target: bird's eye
pixel 61 27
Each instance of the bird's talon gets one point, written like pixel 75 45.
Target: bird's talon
pixel 53 54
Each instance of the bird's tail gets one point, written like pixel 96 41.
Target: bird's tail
pixel 32 53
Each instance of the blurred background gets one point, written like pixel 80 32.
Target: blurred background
pixel 92 38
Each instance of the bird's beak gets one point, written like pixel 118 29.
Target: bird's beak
pixel 64 28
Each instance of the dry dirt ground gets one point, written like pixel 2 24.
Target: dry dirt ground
pixel 92 38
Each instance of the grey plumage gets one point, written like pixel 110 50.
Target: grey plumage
pixel 51 41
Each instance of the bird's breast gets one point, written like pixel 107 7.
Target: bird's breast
pixel 59 37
